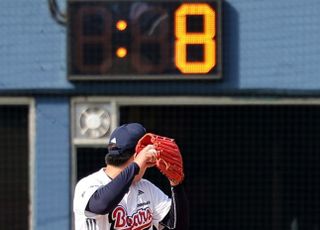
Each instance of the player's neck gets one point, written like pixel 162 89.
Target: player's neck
pixel 114 171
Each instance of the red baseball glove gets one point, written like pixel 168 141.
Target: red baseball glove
pixel 169 159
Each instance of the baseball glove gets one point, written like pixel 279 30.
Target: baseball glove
pixel 169 159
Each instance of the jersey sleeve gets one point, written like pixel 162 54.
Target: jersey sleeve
pixel 83 192
pixel 161 203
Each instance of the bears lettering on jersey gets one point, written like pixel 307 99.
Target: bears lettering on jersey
pixel 142 219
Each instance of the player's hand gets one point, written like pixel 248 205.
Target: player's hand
pixel 173 183
pixel 146 157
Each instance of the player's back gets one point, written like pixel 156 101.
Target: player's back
pixel 83 191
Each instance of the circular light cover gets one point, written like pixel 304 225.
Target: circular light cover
pixel 94 122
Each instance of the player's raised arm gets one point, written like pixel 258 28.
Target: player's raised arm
pixel 106 198
pixel 122 166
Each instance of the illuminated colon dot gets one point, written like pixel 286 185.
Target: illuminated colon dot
pixel 121 52
pixel 121 25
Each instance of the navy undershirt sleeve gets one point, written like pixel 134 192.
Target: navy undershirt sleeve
pixel 106 198
pixel 178 216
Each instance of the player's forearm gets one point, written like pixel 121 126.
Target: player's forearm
pixel 178 216
pixel 106 198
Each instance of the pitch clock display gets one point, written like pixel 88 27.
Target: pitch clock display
pixel 144 40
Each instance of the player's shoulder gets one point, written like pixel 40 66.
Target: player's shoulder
pixel 93 178
pixel 149 187
pixel 146 183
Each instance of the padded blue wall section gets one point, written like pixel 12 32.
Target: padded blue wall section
pixel 267 45
pixel 52 179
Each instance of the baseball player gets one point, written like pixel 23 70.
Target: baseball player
pixel 116 197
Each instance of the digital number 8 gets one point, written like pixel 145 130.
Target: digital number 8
pixel 206 38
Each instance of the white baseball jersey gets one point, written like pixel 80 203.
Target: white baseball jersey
pixel 142 207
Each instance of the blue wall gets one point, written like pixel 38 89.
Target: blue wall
pixel 52 167
pixel 32 46
pixel 268 45
pixel 279 44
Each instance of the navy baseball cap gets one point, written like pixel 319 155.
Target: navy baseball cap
pixel 125 137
